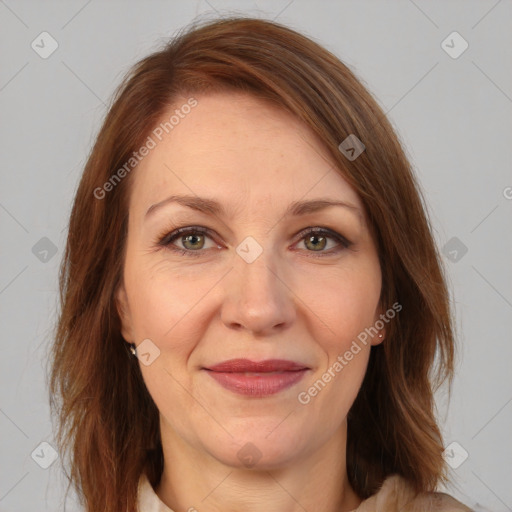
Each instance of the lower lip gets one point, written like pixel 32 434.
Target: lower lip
pixel 257 384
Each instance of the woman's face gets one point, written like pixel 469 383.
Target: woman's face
pixel 247 280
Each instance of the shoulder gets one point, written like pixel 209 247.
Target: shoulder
pixel 396 494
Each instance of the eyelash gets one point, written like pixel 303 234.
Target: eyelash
pixel 167 239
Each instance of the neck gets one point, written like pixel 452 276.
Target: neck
pixel 193 480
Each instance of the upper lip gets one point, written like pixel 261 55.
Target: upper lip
pixel 246 365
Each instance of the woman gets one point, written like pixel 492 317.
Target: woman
pixel 251 296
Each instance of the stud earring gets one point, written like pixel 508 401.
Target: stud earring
pixel 133 349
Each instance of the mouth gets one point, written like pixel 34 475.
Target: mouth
pixel 257 379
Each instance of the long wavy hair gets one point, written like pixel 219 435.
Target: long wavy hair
pixel 107 422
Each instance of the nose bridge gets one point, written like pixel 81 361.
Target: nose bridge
pixel 257 275
pixel 256 298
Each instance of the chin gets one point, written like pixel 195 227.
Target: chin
pixel 259 451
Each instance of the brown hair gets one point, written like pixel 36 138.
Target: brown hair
pixel 107 420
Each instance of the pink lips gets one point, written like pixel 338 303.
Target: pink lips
pixel 257 379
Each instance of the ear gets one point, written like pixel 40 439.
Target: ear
pixel 123 310
pixel 379 324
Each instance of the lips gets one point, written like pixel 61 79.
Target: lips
pixel 245 365
pixel 257 379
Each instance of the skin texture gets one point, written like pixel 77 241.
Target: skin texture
pixel 292 302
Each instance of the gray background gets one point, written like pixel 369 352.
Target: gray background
pixel 452 114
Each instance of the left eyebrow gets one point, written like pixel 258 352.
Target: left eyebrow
pixel 304 207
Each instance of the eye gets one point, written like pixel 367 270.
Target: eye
pixel 317 239
pixel 192 239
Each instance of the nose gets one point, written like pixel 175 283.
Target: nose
pixel 257 298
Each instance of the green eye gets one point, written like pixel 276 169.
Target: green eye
pixel 317 239
pixel 195 241
pixel 315 242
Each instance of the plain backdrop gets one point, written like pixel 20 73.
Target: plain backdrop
pixel 452 111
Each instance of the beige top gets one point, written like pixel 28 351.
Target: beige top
pixel 394 495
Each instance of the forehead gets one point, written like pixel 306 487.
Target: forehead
pixel 242 150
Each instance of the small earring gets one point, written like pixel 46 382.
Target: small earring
pixel 381 336
pixel 133 349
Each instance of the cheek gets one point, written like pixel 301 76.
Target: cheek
pixel 344 303
pixel 168 308
pixel 343 299
pixel 164 300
